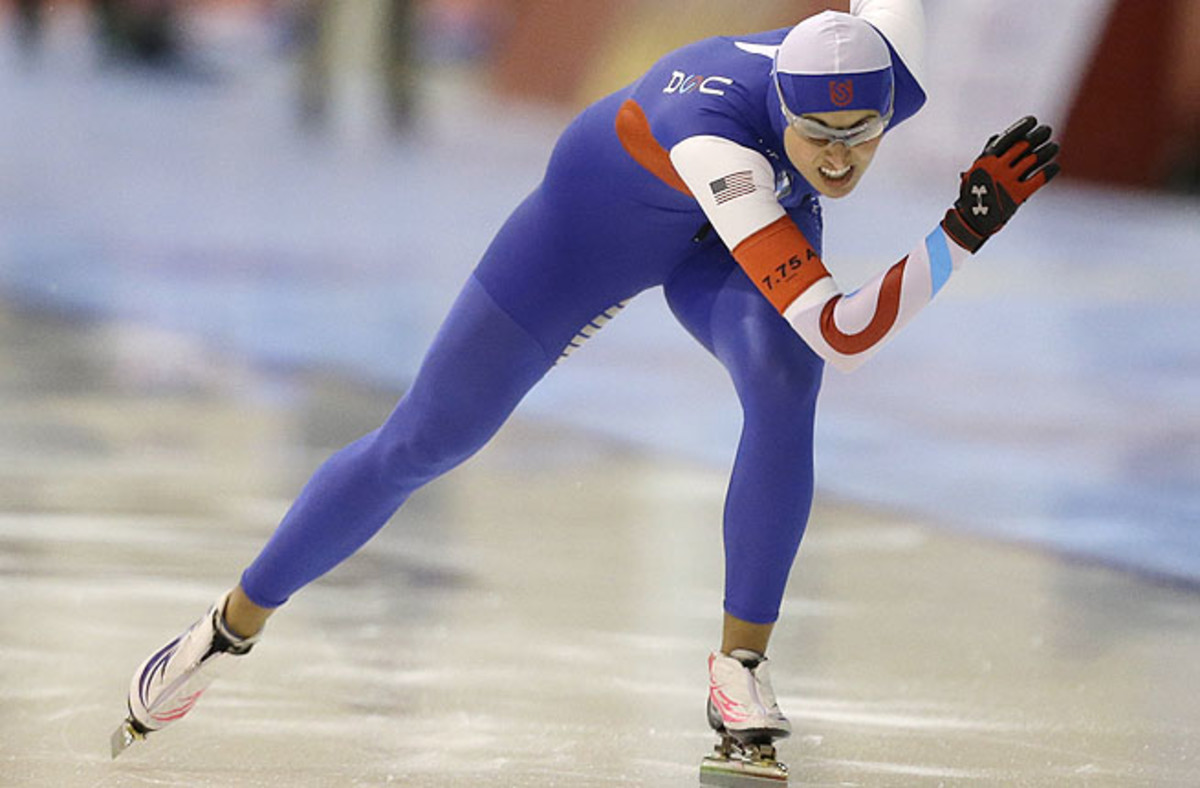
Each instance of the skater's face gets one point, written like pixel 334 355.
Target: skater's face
pixel 832 167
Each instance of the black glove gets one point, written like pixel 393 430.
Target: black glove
pixel 1012 166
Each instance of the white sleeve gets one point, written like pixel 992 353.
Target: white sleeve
pixel 735 187
pixel 846 330
pixel 902 23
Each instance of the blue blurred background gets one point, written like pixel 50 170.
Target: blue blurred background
pixel 306 184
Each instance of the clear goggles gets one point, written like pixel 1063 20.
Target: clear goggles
pixel 815 131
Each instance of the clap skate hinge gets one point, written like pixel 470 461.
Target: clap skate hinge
pixel 734 764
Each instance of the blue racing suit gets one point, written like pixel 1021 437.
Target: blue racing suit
pixel 680 181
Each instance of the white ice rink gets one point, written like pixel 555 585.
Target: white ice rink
pixel 539 618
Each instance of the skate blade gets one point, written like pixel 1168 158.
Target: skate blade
pixel 737 772
pixel 124 737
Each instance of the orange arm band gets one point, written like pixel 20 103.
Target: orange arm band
pixel 780 261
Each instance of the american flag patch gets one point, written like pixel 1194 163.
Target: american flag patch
pixel 739 184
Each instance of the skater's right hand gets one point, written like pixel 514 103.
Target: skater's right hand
pixel 1013 165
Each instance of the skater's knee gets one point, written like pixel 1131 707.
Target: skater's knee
pixel 414 458
pixel 774 390
pixel 419 453
pixel 777 372
pixel 795 382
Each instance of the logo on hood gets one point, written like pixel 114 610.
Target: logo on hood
pixel 841 93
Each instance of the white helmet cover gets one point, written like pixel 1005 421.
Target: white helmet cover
pixel 834 61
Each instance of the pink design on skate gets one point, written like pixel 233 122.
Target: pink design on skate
pixel 186 704
pixel 731 710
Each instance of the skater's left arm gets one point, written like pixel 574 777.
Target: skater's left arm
pixel 847 329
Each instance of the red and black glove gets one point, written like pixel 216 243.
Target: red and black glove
pixel 1013 166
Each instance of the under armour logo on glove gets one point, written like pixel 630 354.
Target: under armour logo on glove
pixel 979 208
pixel 1012 167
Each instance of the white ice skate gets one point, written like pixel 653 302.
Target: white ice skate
pixel 167 685
pixel 743 711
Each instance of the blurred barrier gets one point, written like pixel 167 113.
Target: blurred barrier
pixel 1135 120
pixel 1091 67
pixel 1119 78
pixel 574 51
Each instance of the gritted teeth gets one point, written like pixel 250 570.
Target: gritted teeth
pixel 835 175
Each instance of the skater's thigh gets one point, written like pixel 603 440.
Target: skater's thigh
pixel 557 264
pixel 718 305
pixel 478 368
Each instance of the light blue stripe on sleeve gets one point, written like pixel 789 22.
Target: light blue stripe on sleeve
pixel 940 265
